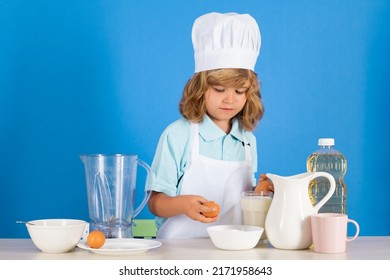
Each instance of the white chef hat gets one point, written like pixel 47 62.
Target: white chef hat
pixel 225 41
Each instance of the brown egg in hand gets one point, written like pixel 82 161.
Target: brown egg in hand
pixel 211 204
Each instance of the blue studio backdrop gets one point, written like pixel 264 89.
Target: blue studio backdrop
pixel 106 76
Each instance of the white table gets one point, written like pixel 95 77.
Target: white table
pixel 363 248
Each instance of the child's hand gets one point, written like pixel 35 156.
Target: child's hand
pixel 194 208
pixel 264 184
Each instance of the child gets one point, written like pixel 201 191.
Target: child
pixel 210 154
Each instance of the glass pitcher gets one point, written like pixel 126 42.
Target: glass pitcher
pixel 111 184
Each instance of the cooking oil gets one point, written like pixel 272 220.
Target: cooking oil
pixel 328 159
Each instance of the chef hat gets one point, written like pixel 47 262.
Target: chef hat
pixel 225 41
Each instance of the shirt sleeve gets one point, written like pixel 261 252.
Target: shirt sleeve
pixel 171 158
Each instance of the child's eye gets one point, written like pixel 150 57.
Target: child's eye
pixel 241 91
pixel 219 89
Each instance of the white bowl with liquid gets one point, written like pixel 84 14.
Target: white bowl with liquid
pixel 235 237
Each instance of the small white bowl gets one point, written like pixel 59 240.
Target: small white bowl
pixel 56 235
pixel 235 237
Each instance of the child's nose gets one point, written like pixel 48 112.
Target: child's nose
pixel 229 96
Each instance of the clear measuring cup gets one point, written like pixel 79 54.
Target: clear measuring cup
pixel 111 185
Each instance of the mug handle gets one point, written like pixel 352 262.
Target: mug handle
pixel 357 230
pixel 148 186
pixel 331 189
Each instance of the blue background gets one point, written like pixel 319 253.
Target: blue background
pixel 106 77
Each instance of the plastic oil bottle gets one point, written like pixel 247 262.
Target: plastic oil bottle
pixel 328 159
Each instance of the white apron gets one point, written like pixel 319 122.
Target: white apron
pixel 218 180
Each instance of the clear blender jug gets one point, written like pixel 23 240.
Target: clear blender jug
pixel 111 184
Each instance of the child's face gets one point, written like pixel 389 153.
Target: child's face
pixel 223 103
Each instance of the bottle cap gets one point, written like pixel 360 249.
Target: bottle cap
pixel 326 142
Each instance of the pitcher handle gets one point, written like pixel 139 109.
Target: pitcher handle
pixel 331 189
pixel 148 186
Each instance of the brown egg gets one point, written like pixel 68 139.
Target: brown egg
pixel 211 204
pixel 96 239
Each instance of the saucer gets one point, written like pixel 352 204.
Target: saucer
pixel 122 246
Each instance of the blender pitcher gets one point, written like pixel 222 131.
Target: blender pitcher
pixel 111 184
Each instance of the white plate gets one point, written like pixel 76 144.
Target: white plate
pixel 122 246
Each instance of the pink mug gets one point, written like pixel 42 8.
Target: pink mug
pixel 329 231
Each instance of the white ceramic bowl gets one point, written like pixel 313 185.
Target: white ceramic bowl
pixel 56 235
pixel 235 237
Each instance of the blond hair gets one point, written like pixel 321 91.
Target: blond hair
pixel 192 104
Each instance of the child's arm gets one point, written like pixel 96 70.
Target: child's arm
pixel 166 206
